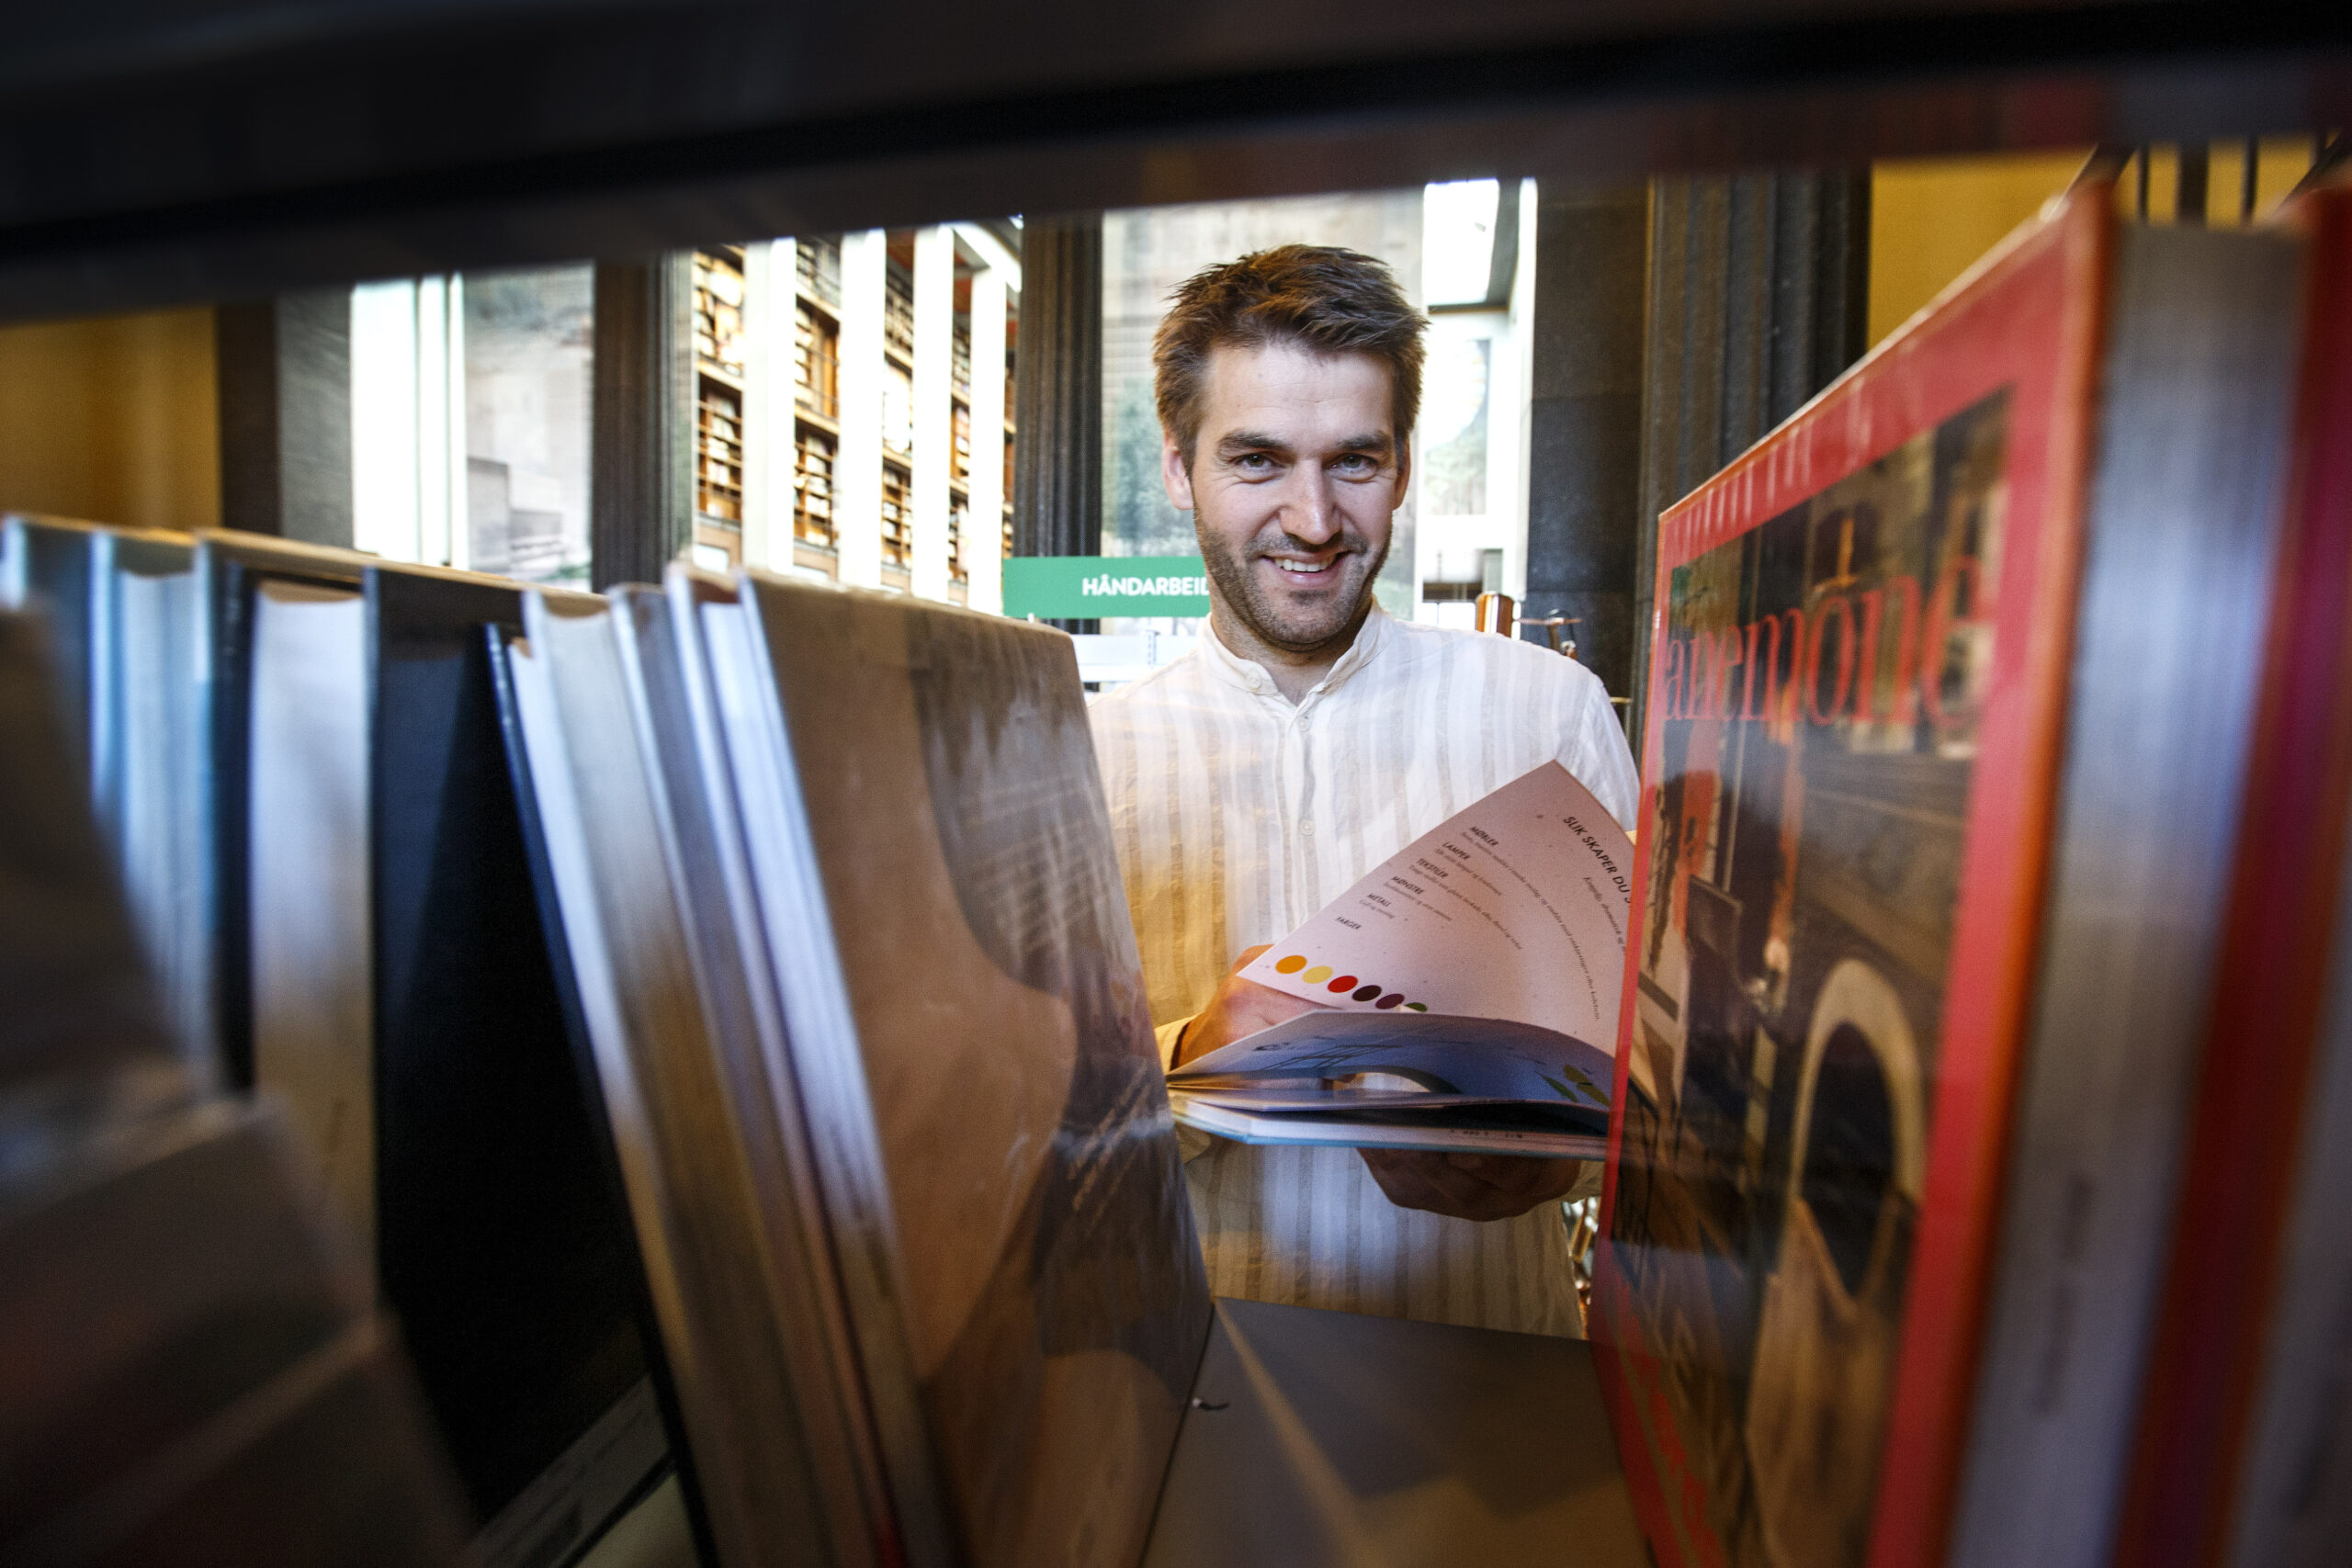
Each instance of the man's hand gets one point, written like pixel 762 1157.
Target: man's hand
pixel 1464 1187
pixel 1470 1187
pixel 1240 1007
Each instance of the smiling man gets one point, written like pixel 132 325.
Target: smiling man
pixel 1307 740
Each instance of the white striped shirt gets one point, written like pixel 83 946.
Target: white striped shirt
pixel 1237 816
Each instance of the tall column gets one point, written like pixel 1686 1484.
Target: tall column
pixel 857 464
pixel 641 503
pixel 767 311
pixel 442 520
pixel 934 374
pixel 387 435
pixel 408 420
pixel 1057 392
pixel 983 526
pixel 1585 419
pixel 284 376
pixel 1759 297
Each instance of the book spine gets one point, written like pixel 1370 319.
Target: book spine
pixel 2221 1284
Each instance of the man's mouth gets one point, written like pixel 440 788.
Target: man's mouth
pixel 1306 572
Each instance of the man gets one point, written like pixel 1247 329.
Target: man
pixel 1309 738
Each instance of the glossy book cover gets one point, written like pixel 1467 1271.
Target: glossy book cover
pixel 1857 677
pixel 1044 1264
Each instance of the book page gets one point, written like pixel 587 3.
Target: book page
pixel 1448 1061
pixel 311 921
pixel 1512 908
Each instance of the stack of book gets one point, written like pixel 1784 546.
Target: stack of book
pixel 198 1370
pixel 1984 1070
pixel 295 757
pixel 835 885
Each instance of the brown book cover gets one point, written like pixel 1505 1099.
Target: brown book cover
pixel 964 1003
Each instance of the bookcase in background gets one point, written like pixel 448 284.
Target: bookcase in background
pixel 721 428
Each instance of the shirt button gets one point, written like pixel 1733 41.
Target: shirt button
pixel 1307 829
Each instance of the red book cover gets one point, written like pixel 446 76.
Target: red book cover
pixel 2222 1286
pixel 1860 647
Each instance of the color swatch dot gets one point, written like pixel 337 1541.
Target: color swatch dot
pixel 1318 975
pixel 1344 983
pixel 1390 1000
pixel 1365 993
pixel 1290 966
pixel 1417 1007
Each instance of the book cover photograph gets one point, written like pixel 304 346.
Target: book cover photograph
pixel 1808 844
pixel 1845 625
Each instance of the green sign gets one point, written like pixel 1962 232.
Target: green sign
pixel 1083 588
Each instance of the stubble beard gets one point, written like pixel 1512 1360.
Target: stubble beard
pixel 1312 632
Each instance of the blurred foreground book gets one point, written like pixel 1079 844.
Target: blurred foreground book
pixel 1962 785
pixel 195 1369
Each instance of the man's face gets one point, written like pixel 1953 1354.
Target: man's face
pixel 1296 474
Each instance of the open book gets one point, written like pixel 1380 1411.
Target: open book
pixel 1468 993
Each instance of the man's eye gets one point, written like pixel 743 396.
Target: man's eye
pixel 1254 462
pixel 1357 463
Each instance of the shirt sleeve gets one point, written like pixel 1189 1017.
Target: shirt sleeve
pixel 1167 1034
pixel 1593 748
pixel 1191 1141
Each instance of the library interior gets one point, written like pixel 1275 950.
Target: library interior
pixel 1016 787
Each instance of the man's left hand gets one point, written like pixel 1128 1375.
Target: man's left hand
pixel 1470 1187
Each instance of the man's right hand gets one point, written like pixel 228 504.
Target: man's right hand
pixel 1240 1007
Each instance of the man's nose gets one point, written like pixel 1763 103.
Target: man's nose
pixel 1310 513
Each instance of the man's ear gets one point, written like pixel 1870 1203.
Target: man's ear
pixel 1175 474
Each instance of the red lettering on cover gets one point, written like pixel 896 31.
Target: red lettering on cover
pixel 1845 687
pixel 1699 689
pixel 1942 620
pixel 1781 696
pixel 1906 706
pixel 1747 669
pixel 1729 653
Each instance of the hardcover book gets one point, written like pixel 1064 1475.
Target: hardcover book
pixel 198 1371
pixel 398 1002
pixel 834 883
pixel 2244 1449
pixel 940 907
pixel 630 816
pixel 45 567
pixel 1945 741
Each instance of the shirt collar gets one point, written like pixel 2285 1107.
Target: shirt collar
pixel 1251 676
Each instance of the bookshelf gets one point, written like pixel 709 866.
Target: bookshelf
pixel 812 512
pixel 887 473
pixel 719 381
pixel 817 273
pixel 816 362
pixel 815 281
pixel 897 527
pixel 898 305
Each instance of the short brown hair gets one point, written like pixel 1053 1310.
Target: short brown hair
pixel 1321 297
